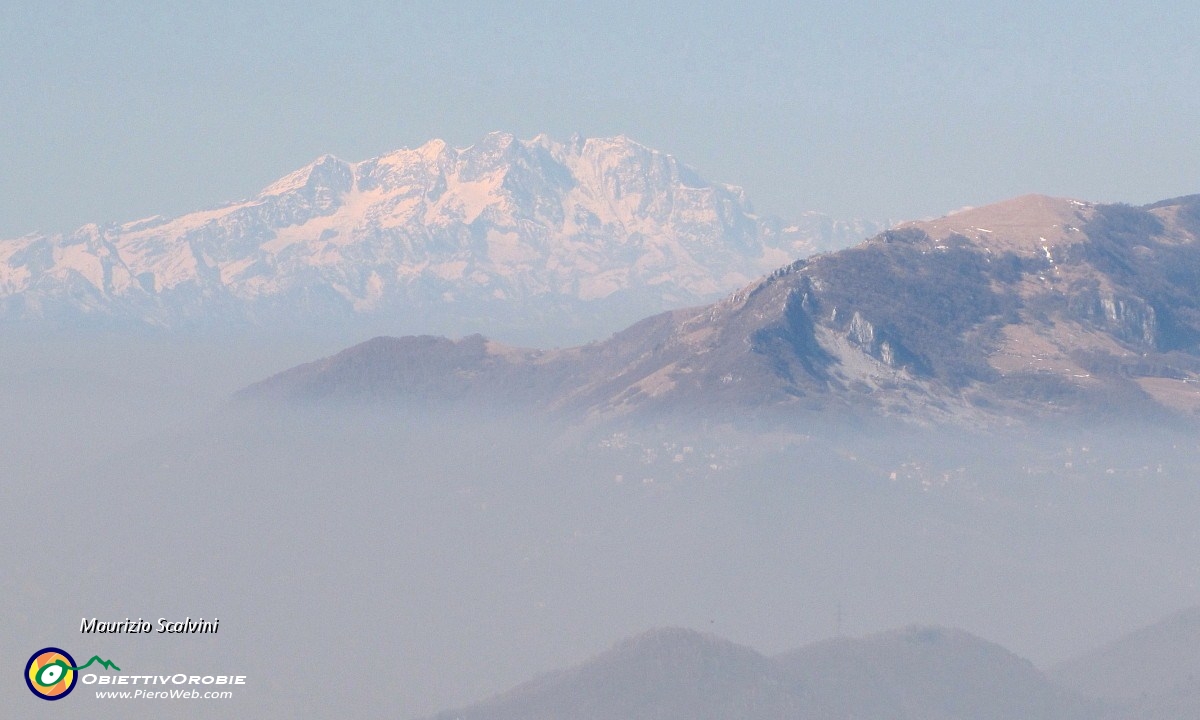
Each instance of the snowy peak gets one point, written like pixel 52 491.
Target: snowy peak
pixel 326 173
pixel 587 233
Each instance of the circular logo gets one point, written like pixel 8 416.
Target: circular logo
pixel 50 674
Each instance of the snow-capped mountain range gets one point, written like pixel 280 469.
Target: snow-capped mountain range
pixel 538 230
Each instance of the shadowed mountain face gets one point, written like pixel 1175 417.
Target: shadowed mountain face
pixel 913 674
pixel 1033 306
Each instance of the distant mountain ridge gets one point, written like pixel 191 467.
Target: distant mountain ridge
pixel 1155 669
pixel 504 231
pixel 1034 306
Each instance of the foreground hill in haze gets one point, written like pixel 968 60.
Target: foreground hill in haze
pixel 587 233
pixel 662 674
pixel 924 673
pixel 1036 306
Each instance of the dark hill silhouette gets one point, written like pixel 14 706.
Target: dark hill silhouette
pixel 925 673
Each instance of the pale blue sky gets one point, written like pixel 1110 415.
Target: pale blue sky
pixel 115 110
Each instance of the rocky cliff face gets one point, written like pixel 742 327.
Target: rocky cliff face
pixel 505 230
pixel 1036 305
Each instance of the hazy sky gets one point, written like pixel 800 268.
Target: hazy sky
pixel 111 111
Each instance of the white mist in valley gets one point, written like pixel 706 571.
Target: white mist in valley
pixel 364 556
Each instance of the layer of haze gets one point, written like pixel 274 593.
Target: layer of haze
pixel 367 562
pixel 445 559
pixel 118 110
